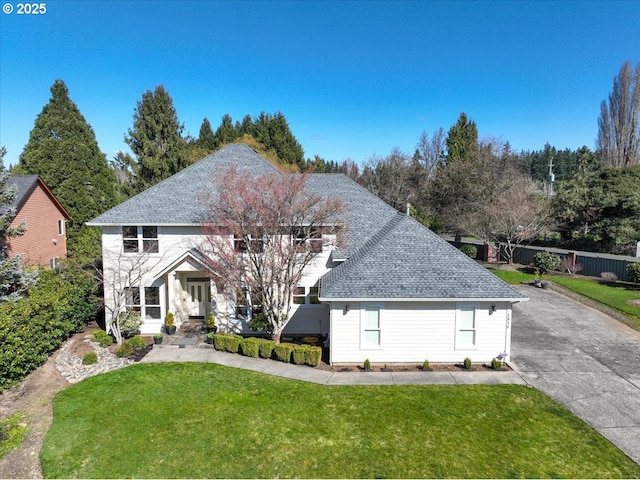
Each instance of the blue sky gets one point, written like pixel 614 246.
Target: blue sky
pixel 354 79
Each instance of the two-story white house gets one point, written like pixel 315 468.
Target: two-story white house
pixel 394 292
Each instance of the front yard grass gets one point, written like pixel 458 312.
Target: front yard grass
pixel 190 420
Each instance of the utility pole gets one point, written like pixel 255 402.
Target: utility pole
pixel 550 179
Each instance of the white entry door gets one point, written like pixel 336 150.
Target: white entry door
pixel 198 297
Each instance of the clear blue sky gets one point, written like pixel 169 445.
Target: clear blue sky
pixel 353 79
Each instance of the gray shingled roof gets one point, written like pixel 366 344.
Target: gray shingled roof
pixel 176 200
pixel 22 184
pixel 405 260
pixel 389 254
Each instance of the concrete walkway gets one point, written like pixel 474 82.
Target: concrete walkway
pixel 583 359
pixel 326 377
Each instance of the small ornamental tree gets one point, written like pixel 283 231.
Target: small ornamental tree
pixel 262 232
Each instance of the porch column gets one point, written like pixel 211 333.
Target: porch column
pixel 171 288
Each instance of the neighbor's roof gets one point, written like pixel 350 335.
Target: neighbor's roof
pixel 24 185
pixel 177 200
pixel 406 261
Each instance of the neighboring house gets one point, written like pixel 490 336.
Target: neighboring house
pixel 394 292
pixel 44 218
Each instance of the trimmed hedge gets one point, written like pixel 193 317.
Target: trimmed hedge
pixel 266 347
pixel 36 325
pixel 299 355
pixel 250 347
pixel 313 356
pixel 227 342
pixel 283 351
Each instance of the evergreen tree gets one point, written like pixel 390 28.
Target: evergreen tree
pixel 63 150
pixel 206 139
pixel 462 139
pixel 14 280
pixel 274 133
pixel 156 139
pixel 226 132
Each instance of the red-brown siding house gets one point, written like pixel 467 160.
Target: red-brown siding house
pixel 45 238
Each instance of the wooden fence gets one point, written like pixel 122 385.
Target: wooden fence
pixel 593 264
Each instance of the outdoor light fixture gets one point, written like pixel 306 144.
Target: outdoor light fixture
pixel 346 309
pixel 493 308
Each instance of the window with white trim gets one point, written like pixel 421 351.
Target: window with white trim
pixel 466 326
pixel 299 295
pixel 145 300
pixel 140 239
pixel 308 239
pixel 61 227
pixel 371 326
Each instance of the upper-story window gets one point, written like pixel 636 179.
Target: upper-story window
pixel 240 244
pixel 309 239
pixel 60 227
pixel 140 239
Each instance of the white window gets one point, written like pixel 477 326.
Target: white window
pixel 466 327
pixel 145 300
pixel 299 295
pixel 371 326
pixel 308 239
pixel 140 239
pixel 60 227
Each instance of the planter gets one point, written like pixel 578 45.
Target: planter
pixel 170 329
pixel 212 329
pixel 126 334
pixel 157 340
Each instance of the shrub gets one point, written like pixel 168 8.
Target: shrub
pixel 136 342
pixel 469 250
pixel 218 341
pixel 266 347
pixel 250 347
pixel 608 277
pixel 425 365
pixel 129 321
pixel 496 364
pixel 299 355
pixel 90 358
pixel 211 320
pixel 313 356
pixel 367 364
pixel 633 270
pixel 103 338
pixel 31 328
pixel 283 351
pixel 546 261
pixel 170 320
pixel 566 265
pixel 231 342
pixel 467 363
pixel 124 350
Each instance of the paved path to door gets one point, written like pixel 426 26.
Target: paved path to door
pixel 583 359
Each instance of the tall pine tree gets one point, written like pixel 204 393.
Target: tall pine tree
pixel 156 139
pixel 63 150
pixel 462 139
pixel 206 139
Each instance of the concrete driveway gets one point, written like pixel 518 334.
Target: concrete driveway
pixel 583 359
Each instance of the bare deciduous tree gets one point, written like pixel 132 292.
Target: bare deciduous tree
pixel 122 272
pixel 261 234
pixel 430 152
pixel 619 123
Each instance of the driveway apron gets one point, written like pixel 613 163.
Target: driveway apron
pixel 583 359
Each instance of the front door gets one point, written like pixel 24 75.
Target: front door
pixel 198 298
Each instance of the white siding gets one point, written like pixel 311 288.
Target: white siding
pixel 416 331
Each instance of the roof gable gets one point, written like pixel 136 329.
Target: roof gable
pixel 405 260
pixel 25 185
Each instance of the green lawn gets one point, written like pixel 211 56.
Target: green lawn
pixel 613 295
pixel 191 420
